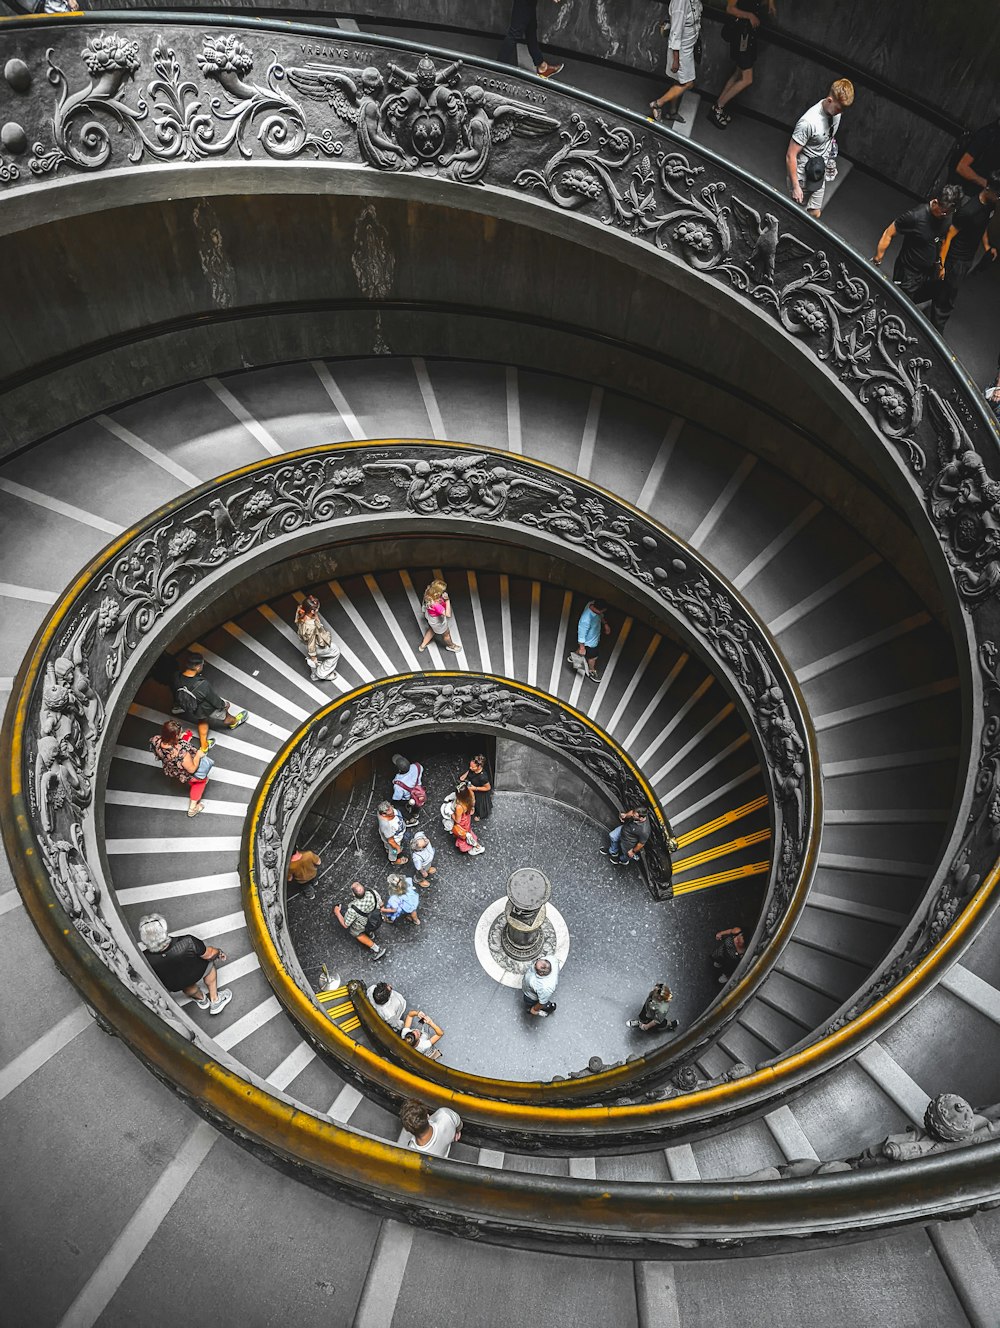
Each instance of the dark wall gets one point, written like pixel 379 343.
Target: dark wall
pixel 522 769
pixel 916 62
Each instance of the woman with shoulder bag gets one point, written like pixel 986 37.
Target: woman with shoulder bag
pixel 466 841
pixel 437 614
pixel 177 751
pixel 683 54
pixel 740 29
pixel 322 652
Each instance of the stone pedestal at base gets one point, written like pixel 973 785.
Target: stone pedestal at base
pixel 524 933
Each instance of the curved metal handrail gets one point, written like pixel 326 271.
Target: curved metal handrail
pixel 642 183
pixel 392 710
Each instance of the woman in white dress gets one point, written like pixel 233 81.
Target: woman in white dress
pixel 321 651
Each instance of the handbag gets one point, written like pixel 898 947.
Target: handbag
pixel 815 172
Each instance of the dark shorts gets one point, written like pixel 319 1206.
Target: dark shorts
pixel 743 54
pixel 590 652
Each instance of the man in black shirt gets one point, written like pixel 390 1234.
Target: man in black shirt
pixel 969 229
pixel 627 840
pixel 918 264
pixel 979 161
pixel 183 962
pixel 198 701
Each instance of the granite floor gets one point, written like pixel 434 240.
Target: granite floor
pixel 620 939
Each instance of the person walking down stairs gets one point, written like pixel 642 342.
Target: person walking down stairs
pixel 316 635
pixel 184 963
pixel 198 701
pixel 177 751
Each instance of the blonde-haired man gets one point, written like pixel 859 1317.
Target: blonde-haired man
pixel 810 145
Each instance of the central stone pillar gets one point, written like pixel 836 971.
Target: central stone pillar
pixel 523 934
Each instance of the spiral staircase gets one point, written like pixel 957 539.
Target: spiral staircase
pixel 121 1207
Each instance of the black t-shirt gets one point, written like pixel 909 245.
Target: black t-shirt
pixel 196 696
pixel 634 833
pixel 971 218
pixel 181 964
pixel 984 149
pixel 922 234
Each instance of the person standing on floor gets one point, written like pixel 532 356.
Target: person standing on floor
pixel 362 918
pixel 918 268
pixel 593 623
pixel 739 29
pixel 683 37
pixel 404 900
pixel 184 963
pixel 628 839
pixel 812 143
pixel 477 778
pixel 408 787
pixel 178 753
pixel 728 952
pixel 422 854
pixel 654 1017
pixel 437 614
pixel 466 840
pixel 303 868
pixel 316 635
pixel 198 701
pixel 538 986
pixel 970 228
pixel 523 27
pixel 393 832
pixel 432 1133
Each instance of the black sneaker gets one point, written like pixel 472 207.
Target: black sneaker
pixel 670 1025
pixel 309 893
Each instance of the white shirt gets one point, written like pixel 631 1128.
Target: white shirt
pixel 445 1124
pixel 403 784
pixel 685 23
pixel 390 829
pixel 394 1010
pixel 814 132
pixel 542 988
pixel 422 857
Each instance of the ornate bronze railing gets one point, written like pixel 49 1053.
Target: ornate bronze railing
pixel 136 101
pixel 392 711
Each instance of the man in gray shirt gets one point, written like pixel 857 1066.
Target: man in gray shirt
pixel 810 145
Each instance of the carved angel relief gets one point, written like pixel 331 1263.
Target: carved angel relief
pixel 422 120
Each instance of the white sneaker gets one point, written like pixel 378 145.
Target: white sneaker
pixel 474 852
pixel 205 1001
pixel 216 1007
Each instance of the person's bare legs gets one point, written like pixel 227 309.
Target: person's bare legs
pixel 203 734
pixel 414 919
pixel 672 94
pixel 366 941
pixel 449 643
pixel 427 639
pixel 739 81
pixel 211 982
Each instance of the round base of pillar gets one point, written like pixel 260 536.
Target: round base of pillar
pixel 502 967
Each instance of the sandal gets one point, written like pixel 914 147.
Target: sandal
pixel 657 110
pixel 720 118
pixel 421 647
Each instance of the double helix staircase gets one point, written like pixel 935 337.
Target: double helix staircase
pixel 878 677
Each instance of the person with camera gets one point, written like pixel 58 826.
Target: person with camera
pixel 812 143
pixel 362 918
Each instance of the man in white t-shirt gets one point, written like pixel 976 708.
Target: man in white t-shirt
pixel 810 145
pixel 390 1004
pixel 538 986
pixel 432 1133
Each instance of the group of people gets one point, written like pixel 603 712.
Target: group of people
pixel 406 845
pixel 417 1029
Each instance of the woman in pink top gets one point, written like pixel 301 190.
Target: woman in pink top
pixel 436 610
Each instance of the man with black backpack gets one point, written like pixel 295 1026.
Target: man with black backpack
pixel 197 700
pixel 362 918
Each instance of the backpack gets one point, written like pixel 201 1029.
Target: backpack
pixel 448 812
pixel 374 918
